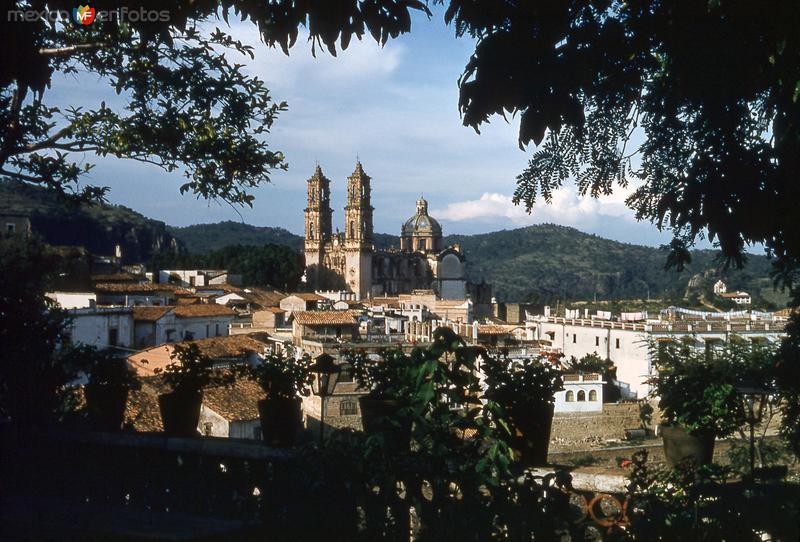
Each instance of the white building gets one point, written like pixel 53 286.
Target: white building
pixel 159 325
pixel 740 298
pixel 581 393
pixel 101 327
pixel 720 288
pixel 626 343
pixel 197 277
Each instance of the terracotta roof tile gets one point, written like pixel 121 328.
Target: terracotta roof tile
pixel 149 314
pixel 319 318
pixel 232 346
pixel 127 288
pixel 236 403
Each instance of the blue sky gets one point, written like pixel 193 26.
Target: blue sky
pixel 396 109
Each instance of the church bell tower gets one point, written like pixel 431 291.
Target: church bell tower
pixel 358 233
pixel 318 225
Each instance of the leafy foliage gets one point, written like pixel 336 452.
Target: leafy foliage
pixel 711 87
pixel 697 388
pixel 704 503
pixel 106 369
pixel 192 371
pixel 34 366
pixel 267 265
pixel 281 376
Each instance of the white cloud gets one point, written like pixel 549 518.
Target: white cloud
pixel 566 207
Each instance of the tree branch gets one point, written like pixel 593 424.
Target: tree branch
pixel 23 177
pixel 65 51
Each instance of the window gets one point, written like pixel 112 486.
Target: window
pixel 574 338
pixel 593 395
pixel 597 341
pixel 10 227
pixel 208 330
pixel 113 336
pixel 581 395
pixel 257 433
pixel 348 408
pixel 216 330
pixel 208 427
pixel 192 280
pixel 170 335
pixel 311 231
pixel 188 336
pixel 617 343
pixel 570 397
pixel 346 375
pixel 421 244
pixel 352 229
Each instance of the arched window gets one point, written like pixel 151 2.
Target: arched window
pixel 311 231
pixel 352 229
pixel 581 395
pixel 593 395
pixel 570 397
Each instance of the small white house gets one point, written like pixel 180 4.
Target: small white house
pixel 581 393
pixel 102 327
pixel 720 288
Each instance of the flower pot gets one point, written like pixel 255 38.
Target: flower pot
pixel 382 417
pixel 105 406
pixel 680 444
pixel 180 412
pixel 532 427
pixel 280 418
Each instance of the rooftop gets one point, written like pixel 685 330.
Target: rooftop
pixel 321 318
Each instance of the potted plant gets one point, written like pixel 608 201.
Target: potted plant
pixel 388 390
pixel 110 378
pixel 284 379
pixel 187 376
pixel 697 394
pixel 525 389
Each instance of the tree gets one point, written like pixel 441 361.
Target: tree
pixel 187 106
pixel 34 367
pixel 711 86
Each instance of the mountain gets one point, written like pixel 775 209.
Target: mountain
pixel 98 227
pixel 546 262
pixel 202 238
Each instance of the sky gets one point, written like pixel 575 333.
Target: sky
pixel 393 108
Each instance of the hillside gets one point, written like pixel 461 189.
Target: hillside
pixel 202 238
pixel 544 263
pixel 547 262
pixel 98 227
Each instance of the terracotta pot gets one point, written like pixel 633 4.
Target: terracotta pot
pixel 680 444
pixel 532 429
pixel 380 417
pixel 105 406
pixel 180 412
pixel 280 418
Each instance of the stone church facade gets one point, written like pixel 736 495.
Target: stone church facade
pixel 348 260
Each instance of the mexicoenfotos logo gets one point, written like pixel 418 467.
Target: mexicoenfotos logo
pixel 83 15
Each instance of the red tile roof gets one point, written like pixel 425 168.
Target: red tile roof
pixel 149 314
pixel 320 318
pixel 307 296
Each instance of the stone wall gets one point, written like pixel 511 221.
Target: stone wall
pixel 584 429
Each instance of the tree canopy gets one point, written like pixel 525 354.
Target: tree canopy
pixel 187 106
pixel 710 87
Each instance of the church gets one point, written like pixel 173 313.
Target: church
pixel 349 261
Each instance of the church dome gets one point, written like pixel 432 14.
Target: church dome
pixel 421 224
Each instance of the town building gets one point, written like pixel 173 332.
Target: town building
pixel 348 260
pixel 164 324
pixel 188 278
pixel 101 327
pixel 627 343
